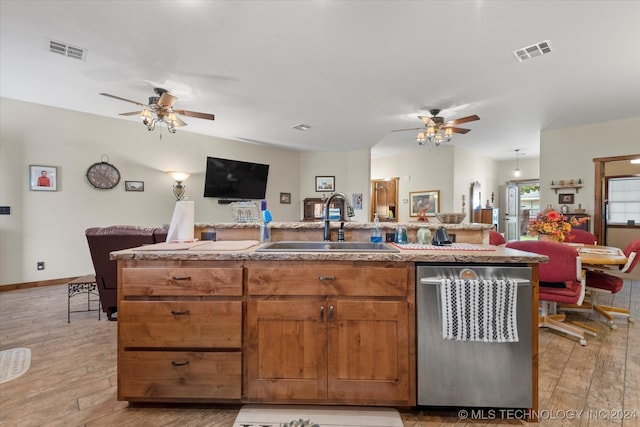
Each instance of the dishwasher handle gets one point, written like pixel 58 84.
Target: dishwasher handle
pixel 438 281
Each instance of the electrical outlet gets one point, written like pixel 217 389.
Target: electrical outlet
pixel 40 265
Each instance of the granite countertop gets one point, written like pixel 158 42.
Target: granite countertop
pixel 348 225
pixel 487 254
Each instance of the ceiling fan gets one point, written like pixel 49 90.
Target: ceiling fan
pixel 162 107
pixel 435 127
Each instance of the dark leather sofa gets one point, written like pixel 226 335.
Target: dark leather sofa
pixel 104 240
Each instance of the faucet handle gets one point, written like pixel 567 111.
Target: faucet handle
pixel 350 211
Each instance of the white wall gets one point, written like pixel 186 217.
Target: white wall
pixel 351 171
pixel 568 154
pixel 49 226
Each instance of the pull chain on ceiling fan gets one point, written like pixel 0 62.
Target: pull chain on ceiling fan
pixel 160 110
pixel 436 130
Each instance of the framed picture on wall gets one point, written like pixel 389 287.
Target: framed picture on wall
pixel 285 198
pixel 566 199
pixel 424 202
pixel 134 185
pixel 43 178
pixel 325 183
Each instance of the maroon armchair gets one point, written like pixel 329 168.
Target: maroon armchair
pixel 599 283
pixel 104 240
pixel 496 238
pixel 561 282
pixel 580 236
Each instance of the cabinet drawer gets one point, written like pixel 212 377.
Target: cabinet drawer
pixel 183 281
pixel 154 375
pixel 327 280
pixel 181 324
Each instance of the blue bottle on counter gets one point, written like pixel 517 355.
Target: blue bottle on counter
pixel 376 234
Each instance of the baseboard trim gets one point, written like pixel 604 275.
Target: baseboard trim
pixel 38 284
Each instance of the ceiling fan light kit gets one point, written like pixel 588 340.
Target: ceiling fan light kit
pixel 160 110
pixel 437 130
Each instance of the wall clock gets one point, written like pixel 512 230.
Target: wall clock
pixel 103 175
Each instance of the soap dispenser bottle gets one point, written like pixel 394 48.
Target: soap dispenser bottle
pixel 376 234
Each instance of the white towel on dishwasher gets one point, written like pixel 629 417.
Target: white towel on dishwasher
pixel 479 310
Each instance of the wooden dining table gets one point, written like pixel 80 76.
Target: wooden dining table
pixel 600 258
pixel 598 255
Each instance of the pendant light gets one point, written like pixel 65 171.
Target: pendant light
pixel 516 172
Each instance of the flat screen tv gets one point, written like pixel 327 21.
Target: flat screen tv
pixel 234 179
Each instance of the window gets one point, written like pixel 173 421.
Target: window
pixel 624 200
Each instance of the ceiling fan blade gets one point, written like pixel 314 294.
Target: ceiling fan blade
pixel 459 130
pixel 132 113
pixel 166 100
pixel 427 120
pixel 124 99
pixel 401 130
pixel 197 115
pixel 464 120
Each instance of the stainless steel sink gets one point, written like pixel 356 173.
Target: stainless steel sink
pixel 304 246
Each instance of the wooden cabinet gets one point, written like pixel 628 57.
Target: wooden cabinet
pixel 179 331
pixel 313 209
pixel 329 332
pixel 486 216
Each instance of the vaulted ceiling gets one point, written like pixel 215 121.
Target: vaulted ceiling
pixel 352 70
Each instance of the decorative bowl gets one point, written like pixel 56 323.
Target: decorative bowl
pixel 451 218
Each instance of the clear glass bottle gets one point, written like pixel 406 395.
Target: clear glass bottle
pixel 376 233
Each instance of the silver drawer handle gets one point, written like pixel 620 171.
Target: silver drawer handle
pixel 322 313
pixel 331 313
pixel 174 363
pixel 327 278
pixel 181 278
pixel 179 313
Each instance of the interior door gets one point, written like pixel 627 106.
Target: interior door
pixel 511 218
pixel 384 199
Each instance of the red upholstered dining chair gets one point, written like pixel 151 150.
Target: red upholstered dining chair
pixel 496 238
pixel 580 236
pixel 611 282
pixel 561 282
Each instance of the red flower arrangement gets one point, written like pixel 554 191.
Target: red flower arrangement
pixel 552 223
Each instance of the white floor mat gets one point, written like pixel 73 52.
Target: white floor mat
pixel 13 363
pixel 322 416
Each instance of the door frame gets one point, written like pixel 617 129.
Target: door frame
pixel 599 183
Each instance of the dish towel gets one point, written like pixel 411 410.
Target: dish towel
pixel 479 310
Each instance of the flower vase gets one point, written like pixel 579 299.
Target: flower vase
pixel 424 235
pixel 550 237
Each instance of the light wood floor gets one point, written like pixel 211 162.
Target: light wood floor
pixel 72 380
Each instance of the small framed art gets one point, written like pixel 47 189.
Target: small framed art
pixel 285 198
pixel 43 178
pixel 566 199
pixel 134 185
pixel 325 183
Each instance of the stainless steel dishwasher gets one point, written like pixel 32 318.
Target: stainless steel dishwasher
pixel 472 373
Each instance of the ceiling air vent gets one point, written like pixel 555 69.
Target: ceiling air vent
pixel 67 50
pixel 532 51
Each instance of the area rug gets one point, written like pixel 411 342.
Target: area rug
pixel 13 363
pixel 320 416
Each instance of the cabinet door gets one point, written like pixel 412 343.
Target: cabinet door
pixel 285 351
pixel 368 351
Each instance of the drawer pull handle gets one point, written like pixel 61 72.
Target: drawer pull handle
pixel 181 278
pixel 322 313
pixel 331 313
pixel 174 363
pixel 179 313
pixel 327 278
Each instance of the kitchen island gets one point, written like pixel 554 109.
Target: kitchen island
pixel 197 324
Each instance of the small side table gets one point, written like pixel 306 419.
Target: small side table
pixel 83 285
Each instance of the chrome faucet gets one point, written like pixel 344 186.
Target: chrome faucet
pixel 347 210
